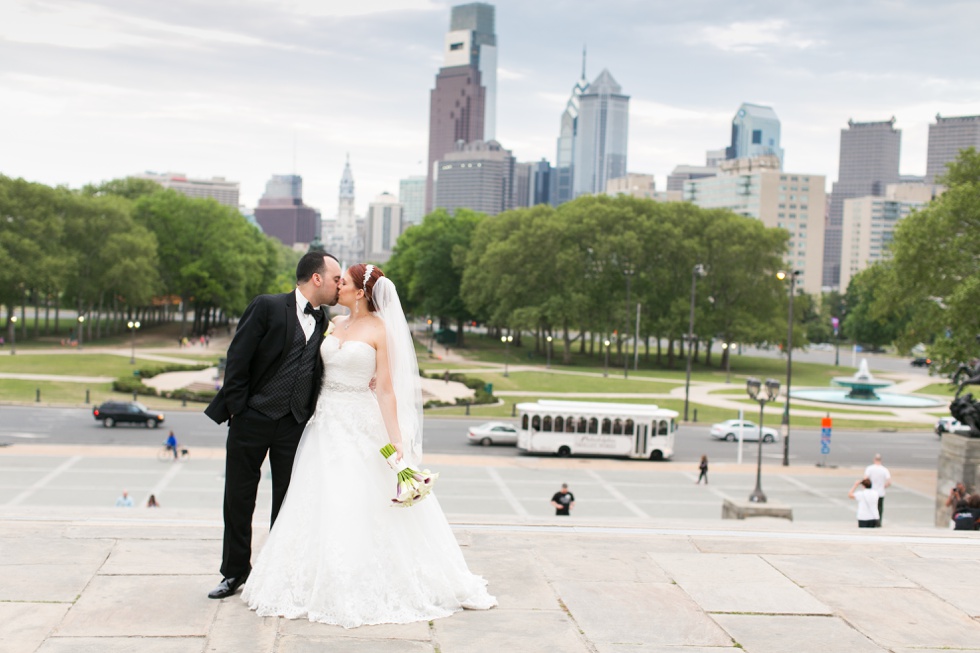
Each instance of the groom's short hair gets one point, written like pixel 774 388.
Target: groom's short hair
pixel 310 264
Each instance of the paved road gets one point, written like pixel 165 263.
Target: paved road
pixel 916 449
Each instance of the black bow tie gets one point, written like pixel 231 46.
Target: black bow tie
pixel 317 313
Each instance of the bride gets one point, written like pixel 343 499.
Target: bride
pixel 339 554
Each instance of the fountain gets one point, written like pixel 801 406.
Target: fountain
pixel 862 384
pixel 862 389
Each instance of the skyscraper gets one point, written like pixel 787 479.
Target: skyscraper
pixel 869 156
pixel 282 214
pixel 411 194
pixel 600 138
pixel 755 132
pixel 562 177
pixel 946 138
pixel 462 106
pixel 477 176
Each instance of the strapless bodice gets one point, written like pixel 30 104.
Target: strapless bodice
pixel 348 366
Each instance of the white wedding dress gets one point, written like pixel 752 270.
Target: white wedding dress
pixel 339 553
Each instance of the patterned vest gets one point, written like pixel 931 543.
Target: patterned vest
pixel 289 390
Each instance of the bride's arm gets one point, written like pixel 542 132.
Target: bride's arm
pixel 386 393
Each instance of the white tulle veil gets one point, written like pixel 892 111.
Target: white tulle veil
pixel 403 365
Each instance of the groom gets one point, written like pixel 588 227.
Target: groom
pixel 272 380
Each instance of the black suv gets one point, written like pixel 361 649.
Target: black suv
pixel 119 412
pixel 921 361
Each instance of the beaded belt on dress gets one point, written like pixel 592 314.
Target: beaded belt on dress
pixel 343 387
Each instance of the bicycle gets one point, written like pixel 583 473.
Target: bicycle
pixel 167 454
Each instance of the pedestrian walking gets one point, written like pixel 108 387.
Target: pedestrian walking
pixel 867 503
pixel 563 501
pixel 704 471
pixel 880 478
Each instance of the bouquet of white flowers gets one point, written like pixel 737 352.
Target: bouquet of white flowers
pixel 412 486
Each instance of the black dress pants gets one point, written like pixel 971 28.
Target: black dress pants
pixel 251 436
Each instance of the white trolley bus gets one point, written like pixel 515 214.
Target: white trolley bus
pixel 577 427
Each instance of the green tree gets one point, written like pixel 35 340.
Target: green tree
pixel 866 323
pixel 934 278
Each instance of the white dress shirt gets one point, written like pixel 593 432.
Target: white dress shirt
pixel 305 319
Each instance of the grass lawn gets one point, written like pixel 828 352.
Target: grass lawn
pixel 75 364
pixel 547 382
pixel 940 389
pixel 65 393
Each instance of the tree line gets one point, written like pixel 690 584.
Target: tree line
pixel 128 249
pixel 565 272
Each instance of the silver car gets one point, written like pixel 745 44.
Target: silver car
pixel 729 429
pixel 492 433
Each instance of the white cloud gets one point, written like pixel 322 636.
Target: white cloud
pixel 753 36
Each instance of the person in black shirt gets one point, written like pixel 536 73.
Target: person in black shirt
pixel 563 501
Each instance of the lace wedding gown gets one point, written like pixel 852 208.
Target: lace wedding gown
pixel 339 553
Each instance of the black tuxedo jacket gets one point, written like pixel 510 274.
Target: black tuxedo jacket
pixel 264 334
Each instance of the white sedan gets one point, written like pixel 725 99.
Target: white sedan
pixel 493 433
pixel 728 430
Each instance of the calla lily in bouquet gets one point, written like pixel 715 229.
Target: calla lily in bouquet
pixel 413 485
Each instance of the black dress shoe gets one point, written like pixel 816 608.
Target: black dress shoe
pixel 227 587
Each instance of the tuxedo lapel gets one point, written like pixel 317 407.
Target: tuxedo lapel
pixel 291 321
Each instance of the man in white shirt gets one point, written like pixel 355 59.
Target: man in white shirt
pixel 880 478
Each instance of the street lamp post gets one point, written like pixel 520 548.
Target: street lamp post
pixel 605 370
pixel 753 387
pixel 81 325
pixel 835 322
pixel 506 340
pixel 698 271
pixel 548 350
pixel 12 327
pixel 133 325
pixel 727 347
pixel 789 360
pixel 628 273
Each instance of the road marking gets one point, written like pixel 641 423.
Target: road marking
pixel 619 496
pixel 815 492
pixel 40 483
pixel 162 484
pixel 508 495
pixel 24 436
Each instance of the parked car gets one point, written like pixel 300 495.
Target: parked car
pixel 921 361
pixel 728 430
pixel 126 412
pixel 492 433
pixel 950 425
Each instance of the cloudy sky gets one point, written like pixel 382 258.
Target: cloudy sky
pixel 97 89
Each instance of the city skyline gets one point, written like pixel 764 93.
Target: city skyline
pixel 107 89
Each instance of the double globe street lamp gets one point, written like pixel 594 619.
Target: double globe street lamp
pixel 754 387
pixel 506 340
pixel 133 326
pixel 789 358
pixel 698 271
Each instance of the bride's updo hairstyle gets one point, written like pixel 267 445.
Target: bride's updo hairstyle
pixel 364 278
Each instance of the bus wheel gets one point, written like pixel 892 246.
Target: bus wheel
pixel 564 452
pixel 657 455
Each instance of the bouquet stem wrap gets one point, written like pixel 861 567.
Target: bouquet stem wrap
pixel 412 486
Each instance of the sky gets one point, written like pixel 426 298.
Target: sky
pixel 243 89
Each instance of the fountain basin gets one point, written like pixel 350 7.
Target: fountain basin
pixel 880 399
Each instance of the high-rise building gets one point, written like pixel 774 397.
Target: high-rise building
pixel 757 188
pixel 216 188
pixel 562 177
pixel 755 133
pixel 462 106
pixel 869 156
pixel 634 185
pixel 523 178
pixel 411 195
pixel 383 227
pixel 541 175
pixel 601 136
pixel 946 139
pixel 869 225
pixel 680 174
pixel 477 176
pixel 282 214
pixel 713 158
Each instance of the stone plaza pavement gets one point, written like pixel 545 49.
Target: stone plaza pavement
pixel 626 575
